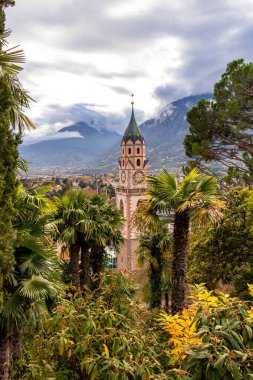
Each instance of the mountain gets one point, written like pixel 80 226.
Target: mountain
pixel 164 136
pixel 91 143
pixel 98 150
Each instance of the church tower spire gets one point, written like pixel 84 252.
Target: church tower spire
pixel 132 133
pixel 133 170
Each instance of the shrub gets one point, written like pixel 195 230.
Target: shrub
pixel 217 340
pixel 104 334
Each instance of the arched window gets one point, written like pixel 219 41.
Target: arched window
pixel 123 162
pixel 138 162
pixel 121 206
pixel 129 150
pixel 123 151
pixel 138 151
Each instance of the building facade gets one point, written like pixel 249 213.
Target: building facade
pixel 133 169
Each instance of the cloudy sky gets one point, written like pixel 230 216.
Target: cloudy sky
pixel 85 56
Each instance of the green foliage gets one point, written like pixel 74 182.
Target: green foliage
pixel 226 349
pixel 98 336
pixel 155 241
pixel 13 99
pixel 221 129
pixel 223 252
pixel 8 183
pixel 86 225
pixel 191 199
pixel 34 280
pixel 212 339
pixel 153 250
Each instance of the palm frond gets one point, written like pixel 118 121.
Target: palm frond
pixel 13 311
pixel 68 235
pixel 35 288
pixel 4 37
pixel 207 185
pixel 22 165
pixel 210 210
pixel 31 243
pixel 37 309
pixel 37 264
pixel 9 60
pixel 190 177
pixel 145 217
pixel 20 120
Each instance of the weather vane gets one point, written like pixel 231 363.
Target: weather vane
pixel 132 102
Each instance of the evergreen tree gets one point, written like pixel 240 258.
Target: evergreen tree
pixel 221 129
pixel 8 183
pixel 8 164
pixel 13 99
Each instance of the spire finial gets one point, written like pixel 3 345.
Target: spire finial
pixel 132 102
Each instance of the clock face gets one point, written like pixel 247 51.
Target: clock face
pixel 123 176
pixel 139 176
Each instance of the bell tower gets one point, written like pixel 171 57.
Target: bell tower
pixel 133 170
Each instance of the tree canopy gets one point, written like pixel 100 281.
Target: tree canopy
pixel 223 253
pixel 221 129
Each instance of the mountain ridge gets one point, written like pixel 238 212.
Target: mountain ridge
pixel 98 149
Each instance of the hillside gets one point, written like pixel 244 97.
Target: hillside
pixel 72 151
pixel 164 136
pixel 97 149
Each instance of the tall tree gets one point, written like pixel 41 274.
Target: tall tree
pixel 13 99
pixel 192 199
pixel 221 129
pixel 223 253
pixel 154 242
pixel 71 221
pixel 87 225
pixel 33 283
pixel 107 232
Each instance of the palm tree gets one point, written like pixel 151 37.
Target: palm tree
pixel 28 290
pixel 71 221
pixel 152 249
pixel 192 199
pixel 107 233
pixel 154 242
pixel 86 225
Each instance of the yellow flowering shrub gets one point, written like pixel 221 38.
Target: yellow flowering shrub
pixel 182 327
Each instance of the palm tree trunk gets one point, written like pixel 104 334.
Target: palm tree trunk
pixel 179 262
pixel 85 265
pixel 5 352
pixel 156 279
pixel 74 258
pixel 166 301
pixel 98 260
pixel 16 343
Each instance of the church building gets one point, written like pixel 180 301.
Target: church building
pixel 133 169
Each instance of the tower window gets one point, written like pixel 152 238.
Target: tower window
pixel 138 150
pixel 138 162
pixel 121 206
pixel 123 151
pixel 123 162
pixel 129 150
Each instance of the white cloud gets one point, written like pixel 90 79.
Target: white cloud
pixel 101 51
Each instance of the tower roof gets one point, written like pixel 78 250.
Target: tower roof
pixel 132 133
